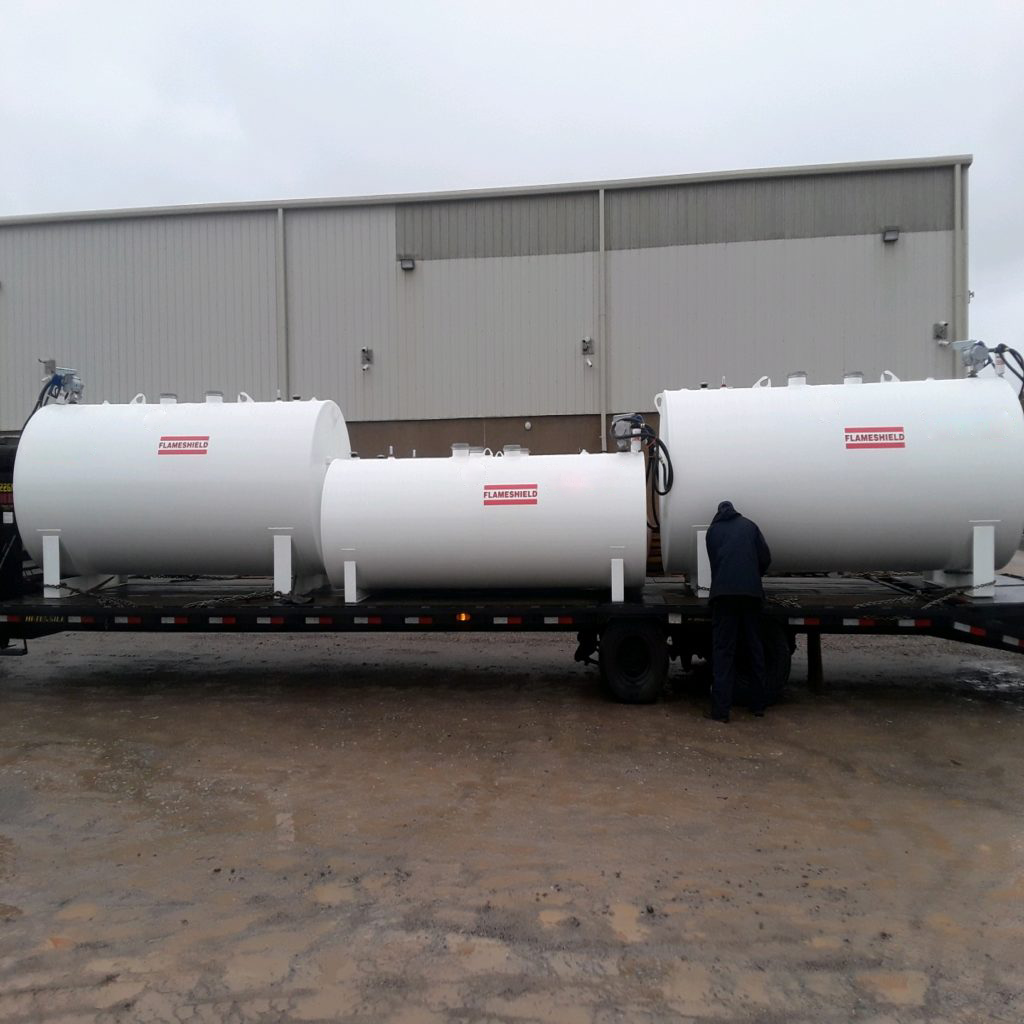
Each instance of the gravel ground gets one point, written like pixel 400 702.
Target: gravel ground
pixel 463 829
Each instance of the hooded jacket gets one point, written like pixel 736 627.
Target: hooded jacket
pixel 738 553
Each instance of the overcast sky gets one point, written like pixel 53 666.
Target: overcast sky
pixel 138 104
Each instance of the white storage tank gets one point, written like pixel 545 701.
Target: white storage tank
pixel 852 477
pixel 175 488
pixel 482 521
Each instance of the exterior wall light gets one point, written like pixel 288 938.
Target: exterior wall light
pixel 890 235
pixel 406 262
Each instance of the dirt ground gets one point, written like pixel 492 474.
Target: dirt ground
pixel 406 830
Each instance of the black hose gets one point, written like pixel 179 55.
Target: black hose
pixel 1020 362
pixel 659 474
pixel 51 389
pixel 1002 350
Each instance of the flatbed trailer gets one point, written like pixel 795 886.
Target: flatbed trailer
pixel 634 640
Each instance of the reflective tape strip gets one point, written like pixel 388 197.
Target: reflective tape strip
pixel 508 620
pixel 222 620
pixel 805 622
pixel 557 620
pixel 418 620
pixel 367 620
pixel 1012 641
pixel 859 623
pixel 270 620
pixel 319 620
pixel 8 519
pixel 127 620
pixel 81 620
pixel 10 618
pixel 174 620
pixel 973 630
pixel 916 623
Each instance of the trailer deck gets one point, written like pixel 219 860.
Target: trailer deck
pixel 820 604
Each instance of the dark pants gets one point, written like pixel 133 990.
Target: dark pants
pixel 736 623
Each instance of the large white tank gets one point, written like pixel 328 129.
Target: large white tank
pixel 854 477
pixel 177 488
pixel 479 521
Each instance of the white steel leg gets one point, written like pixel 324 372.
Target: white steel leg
pixel 703 563
pixel 283 579
pixel 353 595
pixel 618 580
pixel 51 563
pixel 983 561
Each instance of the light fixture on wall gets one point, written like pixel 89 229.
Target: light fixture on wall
pixel 407 262
pixel 587 350
pixel 890 234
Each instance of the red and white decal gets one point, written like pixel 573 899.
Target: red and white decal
pixel 510 494
pixel 183 444
pixel 875 437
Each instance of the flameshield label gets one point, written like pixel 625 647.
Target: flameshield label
pixel 511 494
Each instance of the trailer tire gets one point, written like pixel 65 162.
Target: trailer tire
pixel 634 661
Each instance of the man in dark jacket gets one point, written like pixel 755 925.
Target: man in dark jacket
pixel 739 558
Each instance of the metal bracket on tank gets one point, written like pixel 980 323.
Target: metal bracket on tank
pixel 353 595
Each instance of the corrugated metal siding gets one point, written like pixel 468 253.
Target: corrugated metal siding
pixel 180 304
pixel 682 315
pixel 500 337
pixel 760 209
pixel 451 338
pixel 516 226
pixel 185 303
pixel 342 297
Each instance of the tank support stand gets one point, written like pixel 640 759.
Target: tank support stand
pixel 54 586
pixel 703 587
pixel 981 577
pixel 353 595
pixel 51 563
pixel 283 580
pixel 618 575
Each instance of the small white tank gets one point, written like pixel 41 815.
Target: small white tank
pixel 852 477
pixel 174 488
pixel 482 521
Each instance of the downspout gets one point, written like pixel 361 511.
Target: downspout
pixel 281 305
pixel 965 295
pixel 602 320
pixel 959 325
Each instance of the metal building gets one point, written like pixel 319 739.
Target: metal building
pixel 524 315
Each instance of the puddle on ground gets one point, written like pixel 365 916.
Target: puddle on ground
pixel 991 682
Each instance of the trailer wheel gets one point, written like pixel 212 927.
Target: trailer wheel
pixel 634 661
